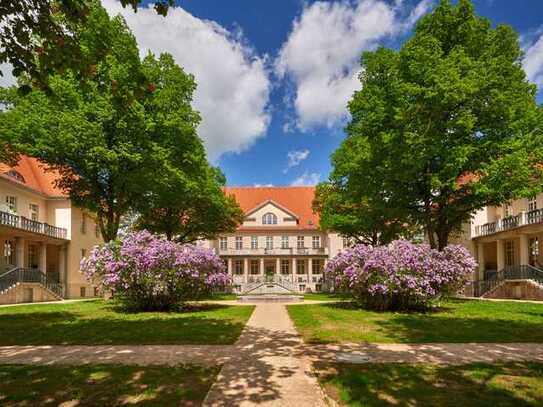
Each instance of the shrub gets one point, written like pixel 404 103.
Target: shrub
pixel 402 275
pixel 150 273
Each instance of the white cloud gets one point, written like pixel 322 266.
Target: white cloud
pixel 322 53
pixel 233 83
pixel 307 178
pixel 295 158
pixel 263 185
pixel 533 61
pixel 7 79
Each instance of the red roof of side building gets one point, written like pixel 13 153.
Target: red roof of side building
pixel 31 174
pixel 297 200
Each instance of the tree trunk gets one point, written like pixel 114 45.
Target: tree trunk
pixel 442 238
pixel 109 225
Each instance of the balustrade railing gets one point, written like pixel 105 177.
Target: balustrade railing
pixel 495 279
pixel 20 222
pixel 511 222
pixel 29 275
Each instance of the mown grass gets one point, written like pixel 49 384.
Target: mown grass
pixel 104 385
pixel 107 323
pixel 455 321
pixel 517 384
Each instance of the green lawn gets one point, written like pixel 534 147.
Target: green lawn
pixel 105 323
pixel 475 385
pixel 456 321
pixel 104 385
pixel 326 297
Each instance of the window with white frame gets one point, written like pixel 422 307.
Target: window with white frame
pixel 33 212
pixel 300 267
pixel 346 242
pixel 284 242
pixel 300 242
pixel 285 266
pixel 9 252
pixel 238 267
pixel 534 251
pixel 269 219
pixel 223 243
pixel 316 267
pixel 83 225
pixel 255 267
pixel 11 203
pixel 254 242
pixel 316 241
pixel 239 242
pixel 532 203
pixel 269 242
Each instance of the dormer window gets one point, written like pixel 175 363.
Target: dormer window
pixel 269 219
pixel 15 175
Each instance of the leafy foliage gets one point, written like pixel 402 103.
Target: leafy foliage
pixel 43 37
pixel 441 128
pixel 401 275
pixel 151 273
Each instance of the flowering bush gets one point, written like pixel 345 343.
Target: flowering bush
pixel 150 273
pixel 402 275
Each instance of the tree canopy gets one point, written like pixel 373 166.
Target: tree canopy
pixel 441 128
pixel 42 37
pixel 119 146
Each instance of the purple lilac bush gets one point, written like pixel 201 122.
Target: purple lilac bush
pixel 151 273
pixel 401 275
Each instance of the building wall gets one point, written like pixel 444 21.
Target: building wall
pixel 24 199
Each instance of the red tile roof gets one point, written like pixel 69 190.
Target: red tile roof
pixel 297 200
pixel 35 177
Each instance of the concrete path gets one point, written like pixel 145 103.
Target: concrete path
pixel 270 367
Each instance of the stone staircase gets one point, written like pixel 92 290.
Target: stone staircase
pixel 275 284
pixel 21 284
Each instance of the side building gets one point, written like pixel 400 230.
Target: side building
pixel 279 247
pixel 43 237
pixel 507 242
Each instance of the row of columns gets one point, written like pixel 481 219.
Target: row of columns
pixel 42 256
pixel 293 271
pixel 524 254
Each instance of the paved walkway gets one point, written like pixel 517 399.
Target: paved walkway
pixel 270 367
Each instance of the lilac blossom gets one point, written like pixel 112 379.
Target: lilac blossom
pixel 152 273
pixel 401 275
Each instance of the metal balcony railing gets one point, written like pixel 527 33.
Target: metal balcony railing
pixel 511 222
pixel 494 279
pixel 20 222
pixel 17 275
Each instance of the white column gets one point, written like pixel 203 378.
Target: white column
pixel 261 266
pixel 500 254
pixel 524 254
pixel 19 252
pixel 229 266
pixel 246 269
pixel 309 269
pixel 294 274
pixel 278 266
pixel 43 257
pixel 481 260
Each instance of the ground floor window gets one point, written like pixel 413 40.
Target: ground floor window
pixel 300 267
pixel 238 267
pixel 9 252
pixel 316 267
pixel 301 287
pixel 83 292
pixel 255 267
pixel 534 251
pixel 33 256
pixel 285 267
pixel 509 253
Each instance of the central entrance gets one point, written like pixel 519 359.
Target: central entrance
pixel 269 270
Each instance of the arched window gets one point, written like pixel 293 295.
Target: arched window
pixel 269 219
pixel 16 175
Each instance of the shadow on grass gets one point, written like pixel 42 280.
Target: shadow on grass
pixel 104 385
pixel 517 384
pixel 103 324
pixel 191 307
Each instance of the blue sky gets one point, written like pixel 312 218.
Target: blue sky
pixel 273 76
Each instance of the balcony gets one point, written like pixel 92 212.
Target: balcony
pixel 291 251
pixel 28 225
pixel 511 222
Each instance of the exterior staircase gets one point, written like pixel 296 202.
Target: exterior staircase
pixel 275 284
pixel 495 282
pixel 18 277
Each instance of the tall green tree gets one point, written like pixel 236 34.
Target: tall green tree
pixel 96 134
pixel 185 202
pixel 42 37
pixel 444 126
